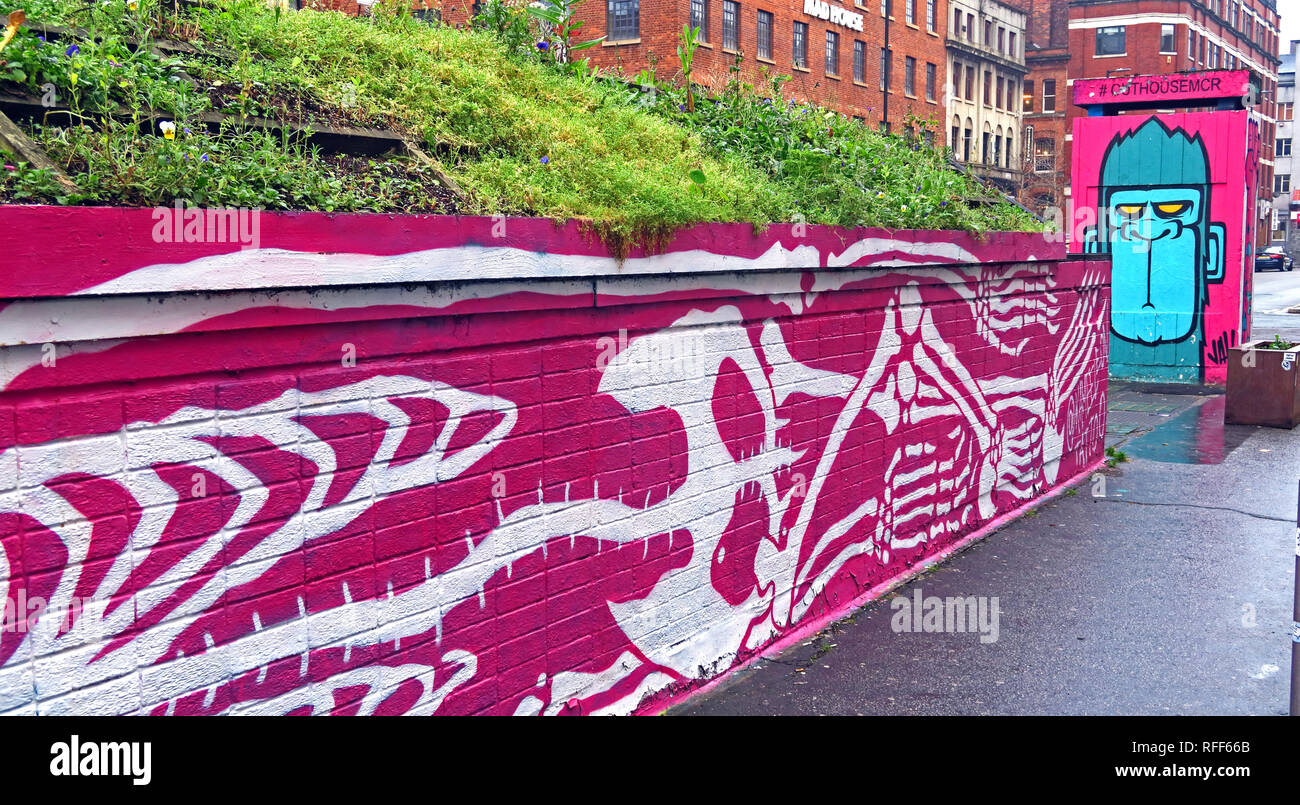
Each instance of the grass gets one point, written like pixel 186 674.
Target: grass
pixel 517 132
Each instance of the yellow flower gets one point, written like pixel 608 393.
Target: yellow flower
pixel 168 129
pixel 133 5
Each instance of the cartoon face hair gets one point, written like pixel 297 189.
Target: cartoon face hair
pixel 1153 155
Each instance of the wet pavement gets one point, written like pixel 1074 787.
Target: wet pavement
pixel 1161 586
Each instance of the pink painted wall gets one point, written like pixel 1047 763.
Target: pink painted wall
pixel 1181 292
pixel 423 465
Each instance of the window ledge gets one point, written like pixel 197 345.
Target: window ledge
pixel 608 44
pixel 833 76
pixel 763 60
pixel 799 69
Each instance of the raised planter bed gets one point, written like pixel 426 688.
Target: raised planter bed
pixel 424 464
pixel 1263 386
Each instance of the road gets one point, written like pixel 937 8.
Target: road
pixel 1274 293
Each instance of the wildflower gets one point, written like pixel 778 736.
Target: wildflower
pixel 543 46
pixel 71 51
pixel 204 158
pixel 115 64
pixel 943 204
pixel 546 160
pixel 681 106
pixel 9 167
pixel 880 195
pixel 73 78
pixel 133 5
pixel 189 133
pixel 38 36
pixel 168 129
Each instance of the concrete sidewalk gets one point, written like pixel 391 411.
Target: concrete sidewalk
pixel 1169 594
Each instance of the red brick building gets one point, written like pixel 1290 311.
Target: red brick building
pixel 1151 37
pixel 879 60
pixel 1044 105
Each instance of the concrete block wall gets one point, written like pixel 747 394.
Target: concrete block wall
pixel 369 464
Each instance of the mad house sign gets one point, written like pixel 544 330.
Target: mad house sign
pixel 1169 197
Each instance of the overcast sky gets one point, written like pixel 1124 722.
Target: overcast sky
pixel 1290 25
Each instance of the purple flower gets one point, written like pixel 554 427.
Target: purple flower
pixel 38 36
pixel 115 64
pixel 189 133
pixel 943 204
pixel 203 158
pixel 71 51
pixel 543 46
pixel 546 160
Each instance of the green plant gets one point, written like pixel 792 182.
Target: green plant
pixel 1278 344
pixel 686 46
pixel 1115 457
pixel 558 17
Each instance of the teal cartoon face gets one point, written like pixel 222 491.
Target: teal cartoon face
pixel 1154 200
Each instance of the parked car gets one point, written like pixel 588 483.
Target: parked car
pixel 1274 257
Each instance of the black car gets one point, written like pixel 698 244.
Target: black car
pixel 1274 257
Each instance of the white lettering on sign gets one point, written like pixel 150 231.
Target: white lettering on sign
pixel 836 16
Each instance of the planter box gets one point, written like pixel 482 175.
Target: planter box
pixel 1263 387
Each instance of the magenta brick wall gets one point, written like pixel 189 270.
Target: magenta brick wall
pixel 386 464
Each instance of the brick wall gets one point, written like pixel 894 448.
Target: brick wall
pixel 388 464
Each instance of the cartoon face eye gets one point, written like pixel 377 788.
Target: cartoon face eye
pixel 1130 210
pixel 1172 209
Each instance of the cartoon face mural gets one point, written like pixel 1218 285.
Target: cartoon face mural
pixel 1160 195
pixel 1154 222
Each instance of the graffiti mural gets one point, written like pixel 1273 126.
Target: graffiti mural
pixel 520 497
pixel 1167 198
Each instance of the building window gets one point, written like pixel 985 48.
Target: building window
pixel 832 53
pixel 956 80
pixel 988 33
pixel 931 79
pixel 1283 147
pixel 1002 40
pixel 1027 104
pixel 1049 95
pixel 988 88
pixel 956 136
pixel 1111 41
pixel 1006 154
pixel 886 67
pixel 623 20
pixel 700 18
pixel 860 61
pixel 966 142
pixel 1281 184
pixel 1044 155
pixel 988 145
pixel 1167 39
pixel 800 55
pixel 730 25
pixel 911 12
pixel 1001 91
pixel 1286 111
pixel 930 20
pixel 886 8
pixel 970 83
pixel 765 35
pixel 1011 50
pixel 909 77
